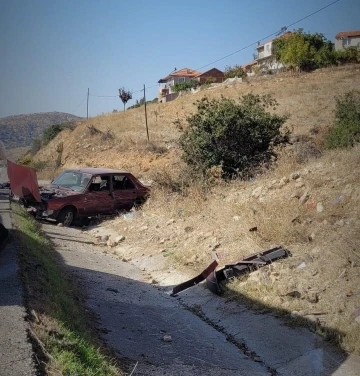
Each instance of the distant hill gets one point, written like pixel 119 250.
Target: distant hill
pixel 20 130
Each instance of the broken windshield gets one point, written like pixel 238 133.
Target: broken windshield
pixel 76 181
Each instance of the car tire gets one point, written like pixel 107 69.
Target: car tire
pixel 66 216
pixel 138 203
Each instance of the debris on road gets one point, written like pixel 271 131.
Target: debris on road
pixel 247 265
pixel 194 281
pixel 244 266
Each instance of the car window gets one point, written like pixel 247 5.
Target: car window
pixel 74 180
pixel 122 182
pixel 100 183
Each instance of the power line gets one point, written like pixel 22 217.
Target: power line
pixel 270 35
pixel 79 104
pixel 241 49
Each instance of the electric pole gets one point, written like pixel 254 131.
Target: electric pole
pixel 87 105
pixel 147 130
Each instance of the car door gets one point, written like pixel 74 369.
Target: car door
pixel 124 191
pixel 98 198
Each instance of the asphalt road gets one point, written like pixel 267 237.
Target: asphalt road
pixel 16 355
pixel 196 333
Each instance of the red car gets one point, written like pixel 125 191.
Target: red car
pixel 80 193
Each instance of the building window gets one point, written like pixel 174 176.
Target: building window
pixel 346 42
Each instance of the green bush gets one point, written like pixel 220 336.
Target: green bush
pixel 185 86
pixel 235 71
pixel 238 137
pixel 348 55
pixel 51 132
pixel 346 131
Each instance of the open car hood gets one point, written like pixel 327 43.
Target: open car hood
pixel 23 181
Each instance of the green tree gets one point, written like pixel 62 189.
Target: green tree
pixel 304 50
pixel 125 96
pixel 238 137
pixel 298 52
pixel 235 71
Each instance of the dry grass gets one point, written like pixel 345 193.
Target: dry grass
pixel 187 221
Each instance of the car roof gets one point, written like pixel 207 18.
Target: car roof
pixel 96 170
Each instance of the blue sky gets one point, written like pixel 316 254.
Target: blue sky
pixel 52 51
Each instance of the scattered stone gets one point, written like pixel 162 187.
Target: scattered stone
pixel 188 229
pixel 167 338
pixel 170 222
pixel 338 199
pixel 284 180
pixel 319 207
pixel 304 197
pixel 294 314
pixel 60 225
pixel 294 176
pixel 310 205
pixel 236 218
pixel 256 192
pixel 311 237
pixel 104 238
pixel 154 282
pixel 312 297
pixel 357 314
pixel 119 239
pixel 252 229
pixel 301 266
pixel 294 294
pixel 143 228
pixel 110 243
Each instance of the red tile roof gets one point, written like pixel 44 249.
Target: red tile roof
pixel 345 34
pixel 185 72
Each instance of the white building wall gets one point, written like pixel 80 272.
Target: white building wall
pixel 341 44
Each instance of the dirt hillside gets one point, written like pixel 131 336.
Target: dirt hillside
pixel 309 202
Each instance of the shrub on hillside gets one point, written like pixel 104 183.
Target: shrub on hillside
pixel 235 71
pixel 238 137
pixel 347 122
pixel 185 86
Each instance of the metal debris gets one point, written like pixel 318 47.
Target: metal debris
pixel 244 266
pixel 194 281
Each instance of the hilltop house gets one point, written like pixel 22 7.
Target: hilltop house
pixel 211 76
pixel 249 68
pixel 266 54
pixel 165 84
pixel 345 39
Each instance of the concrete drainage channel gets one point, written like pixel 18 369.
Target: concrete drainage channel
pixel 230 338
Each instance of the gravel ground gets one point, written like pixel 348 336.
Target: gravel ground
pixel 196 333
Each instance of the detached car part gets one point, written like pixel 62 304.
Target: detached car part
pixel 247 265
pixel 194 281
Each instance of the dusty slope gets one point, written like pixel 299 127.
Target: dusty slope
pixel 309 202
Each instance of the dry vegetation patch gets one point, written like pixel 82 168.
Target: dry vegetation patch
pixel 309 201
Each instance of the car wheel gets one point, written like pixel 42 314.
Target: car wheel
pixel 66 216
pixel 138 203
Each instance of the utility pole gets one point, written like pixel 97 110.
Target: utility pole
pixel 87 105
pixel 147 130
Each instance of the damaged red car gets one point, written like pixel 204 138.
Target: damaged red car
pixel 78 194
